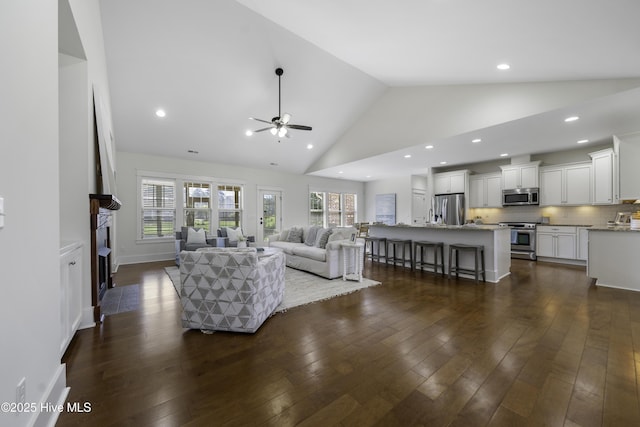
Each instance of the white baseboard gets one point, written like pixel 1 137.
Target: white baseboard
pixel 55 394
pixel 139 259
pixel 86 321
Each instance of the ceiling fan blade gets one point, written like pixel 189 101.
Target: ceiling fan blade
pixel 299 127
pixel 259 120
pixel 262 130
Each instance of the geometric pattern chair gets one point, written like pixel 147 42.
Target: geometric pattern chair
pixel 229 289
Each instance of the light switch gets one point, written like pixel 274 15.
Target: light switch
pixel 1 212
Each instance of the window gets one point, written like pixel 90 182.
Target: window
pixel 196 197
pixel 158 208
pixel 349 210
pixel 332 209
pixel 316 208
pixel 229 206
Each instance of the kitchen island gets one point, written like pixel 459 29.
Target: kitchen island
pixel 614 253
pixel 495 239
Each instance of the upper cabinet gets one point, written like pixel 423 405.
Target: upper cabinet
pixel 485 191
pixel 520 176
pixel 450 182
pixel 628 155
pixel 604 177
pixel 565 185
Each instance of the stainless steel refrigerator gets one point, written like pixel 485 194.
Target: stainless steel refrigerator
pixel 449 207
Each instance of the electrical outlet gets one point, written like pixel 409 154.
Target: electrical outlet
pixel 21 391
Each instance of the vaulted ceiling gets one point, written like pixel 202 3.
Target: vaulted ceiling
pixel 377 80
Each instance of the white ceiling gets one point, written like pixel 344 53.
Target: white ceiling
pixel 210 65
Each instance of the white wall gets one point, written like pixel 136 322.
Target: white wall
pixel 295 197
pixel 401 186
pixel 29 241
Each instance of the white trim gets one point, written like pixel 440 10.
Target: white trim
pixel 139 259
pixel 55 394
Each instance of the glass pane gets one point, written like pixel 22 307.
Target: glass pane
pixel 316 201
pixel 198 218
pixel 157 194
pixel 158 222
pixel 229 197
pixel 316 218
pixel 229 219
pixel 196 195
pixel 334 219
pixel 333 202
pixel 269 212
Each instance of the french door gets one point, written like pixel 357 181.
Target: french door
pixel 269 213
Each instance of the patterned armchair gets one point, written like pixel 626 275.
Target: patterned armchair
pixel 228 289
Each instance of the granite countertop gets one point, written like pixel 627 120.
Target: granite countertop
pixel 614 228
pixel 566 225
pixel 466 227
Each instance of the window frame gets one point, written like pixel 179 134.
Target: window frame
pixel 342 211
pixel 179 181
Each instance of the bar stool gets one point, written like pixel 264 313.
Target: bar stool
pixel 420 262
pixel 455 249
pixel 377 241
pixel 395 244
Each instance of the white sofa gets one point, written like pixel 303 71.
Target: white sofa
pixel 310 254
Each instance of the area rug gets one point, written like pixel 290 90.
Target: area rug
pixel 120 300
pixel 300 287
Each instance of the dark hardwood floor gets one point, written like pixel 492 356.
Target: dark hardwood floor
pixel 544 347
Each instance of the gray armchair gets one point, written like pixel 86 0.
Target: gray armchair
pixel 182 238
pixel 227 289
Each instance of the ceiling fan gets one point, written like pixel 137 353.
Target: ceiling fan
pixel 279 124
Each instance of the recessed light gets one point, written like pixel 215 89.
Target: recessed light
pixel 504 154
pixel 407 156
pixel 583 141
pixel 429 147
pixel 368 176
pixel 443 163
pixel 249 133
pixel 341 172
pixel 475 141
pixel 309 146
pixel 571 119
pixel 161 113
pixel 503 66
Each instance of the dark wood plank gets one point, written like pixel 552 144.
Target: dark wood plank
pixel 542 347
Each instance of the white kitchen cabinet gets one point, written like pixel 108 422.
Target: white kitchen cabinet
pixel 565 185
pixel 485 191
pixel 450 182
pixel 583 243
pixel 604 177
pixel 520 176
pixel 556 242
pixel 628 149
pixel 70 292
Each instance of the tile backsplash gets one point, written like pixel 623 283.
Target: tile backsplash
pixel 569 215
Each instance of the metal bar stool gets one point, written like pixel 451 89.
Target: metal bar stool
pixel 377 241
pixel 478 250
pixel 395 244
pixel 421 263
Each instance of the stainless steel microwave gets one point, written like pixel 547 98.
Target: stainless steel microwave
pixel 520 197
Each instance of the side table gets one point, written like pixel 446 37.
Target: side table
pixel 355 251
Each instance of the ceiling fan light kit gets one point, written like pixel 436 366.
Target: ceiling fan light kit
pixel 280 124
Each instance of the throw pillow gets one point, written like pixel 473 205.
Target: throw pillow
pixel 196 237
pixel 284 235
pixel 295 235
pixel 234 234
pixel 311 235
pixel 323 238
